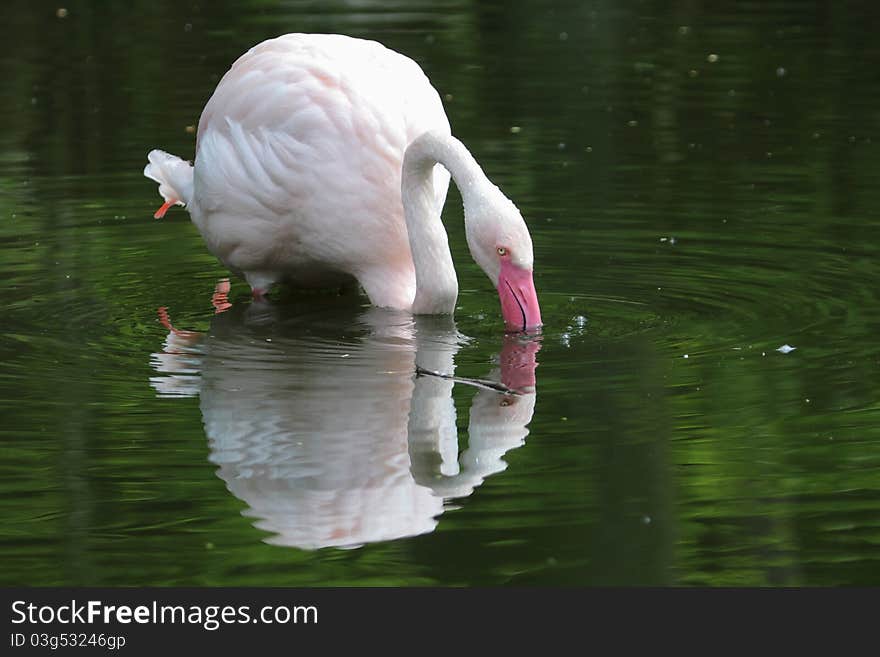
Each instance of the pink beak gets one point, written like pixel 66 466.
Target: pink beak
pixel 519 301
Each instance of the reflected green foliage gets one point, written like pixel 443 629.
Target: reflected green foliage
pixel 701 183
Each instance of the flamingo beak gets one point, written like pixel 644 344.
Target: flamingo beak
pixel 519 300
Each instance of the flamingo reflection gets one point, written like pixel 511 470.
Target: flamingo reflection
pixel 337 430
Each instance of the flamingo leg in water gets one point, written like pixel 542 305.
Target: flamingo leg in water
pixel 220 301
pixel 220 298
pixel 166 322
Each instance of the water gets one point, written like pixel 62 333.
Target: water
pixel 701 190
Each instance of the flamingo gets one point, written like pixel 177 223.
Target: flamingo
pixel 321 158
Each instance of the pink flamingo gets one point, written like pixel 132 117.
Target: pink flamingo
pixel 323 157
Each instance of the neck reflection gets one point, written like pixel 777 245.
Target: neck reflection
pixel 321 425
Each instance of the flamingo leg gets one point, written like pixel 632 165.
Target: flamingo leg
pixel 166 322
pixel 162 210
pixel 220 298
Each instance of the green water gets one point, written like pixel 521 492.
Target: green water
pixel 701 183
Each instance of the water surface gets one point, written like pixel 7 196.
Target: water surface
pixel 701 187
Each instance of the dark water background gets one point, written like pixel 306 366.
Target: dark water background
pixel 702 182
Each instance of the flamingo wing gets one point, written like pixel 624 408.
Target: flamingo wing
pixel 299 157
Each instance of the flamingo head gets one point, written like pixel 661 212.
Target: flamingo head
pixel 501 245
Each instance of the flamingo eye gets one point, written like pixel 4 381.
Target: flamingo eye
pixel 501 251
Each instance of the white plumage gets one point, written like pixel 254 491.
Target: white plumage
pixel 299 169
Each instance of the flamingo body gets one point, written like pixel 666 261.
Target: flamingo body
pixel 318 159
pixel 298 164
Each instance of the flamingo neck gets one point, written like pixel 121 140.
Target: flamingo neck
pixel 436 282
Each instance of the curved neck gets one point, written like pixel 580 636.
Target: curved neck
pixel 436 283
